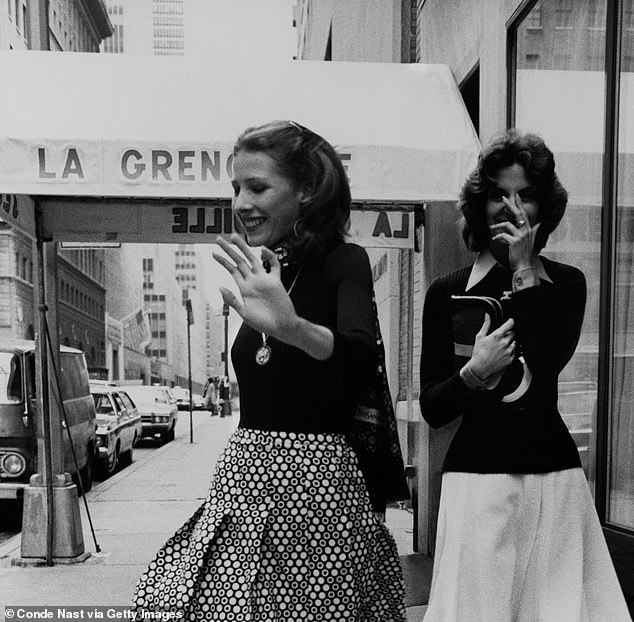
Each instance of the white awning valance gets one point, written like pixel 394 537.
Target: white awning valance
pixel 146 126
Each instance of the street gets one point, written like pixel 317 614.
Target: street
pixel 11 511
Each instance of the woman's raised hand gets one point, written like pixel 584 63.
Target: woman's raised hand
pixel 518 235
pixel 493 352
pixel 265 305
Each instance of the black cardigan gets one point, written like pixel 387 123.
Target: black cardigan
pixel 295 392
pixel 525 436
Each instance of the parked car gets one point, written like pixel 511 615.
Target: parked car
pixel 19 447
pixel 157 409
pixel 198 401
pixel 181 396
pixel 119 427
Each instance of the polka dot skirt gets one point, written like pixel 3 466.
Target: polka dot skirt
pixel 286 535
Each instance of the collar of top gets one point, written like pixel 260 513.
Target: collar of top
pixel 285 254
pixel 485 262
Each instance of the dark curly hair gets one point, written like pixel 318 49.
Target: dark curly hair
pixel 310 163
pixel 532 154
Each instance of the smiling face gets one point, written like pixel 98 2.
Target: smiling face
pixel 266 202
pixel 510 182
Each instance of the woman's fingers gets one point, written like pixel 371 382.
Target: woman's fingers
pixel 505 330
pixel 503 227
pixel 507 238
pixel 484 329
pixel 519 213
pixel 229 266
pixel 228 297
pixel 239 259
pixel 246 250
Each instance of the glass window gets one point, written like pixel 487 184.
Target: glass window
pixel 621 447
pixel 560 92
pixel 10 378
pixel 103 405
pixel 127 401
pixel 563 13
pixel 534 19
pixel 119 402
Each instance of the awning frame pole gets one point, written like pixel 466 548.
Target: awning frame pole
pixel 45 403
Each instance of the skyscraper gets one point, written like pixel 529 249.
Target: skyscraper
pixel 146 27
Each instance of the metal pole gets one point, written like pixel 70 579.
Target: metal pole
pixel 189 372
pixel 223 406
pixel 225 312
pixel 48 447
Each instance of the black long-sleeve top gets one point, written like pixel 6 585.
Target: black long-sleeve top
pixel 525 436
pixel 295 392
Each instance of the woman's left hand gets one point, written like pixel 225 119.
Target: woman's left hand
pixel 265 305
pixel 518 236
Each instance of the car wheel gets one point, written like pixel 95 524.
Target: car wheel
pixel 128 457
pixel 108 468
pixel 169 435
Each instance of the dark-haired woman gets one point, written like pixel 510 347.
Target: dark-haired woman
pixel 518 538
pixel 287 532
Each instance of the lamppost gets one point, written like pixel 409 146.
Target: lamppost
pixel 225 384
pixel 225 312
pixel 190 321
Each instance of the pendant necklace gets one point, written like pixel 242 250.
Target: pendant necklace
pixel 264 352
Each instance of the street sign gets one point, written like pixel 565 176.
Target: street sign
pixel 190 313
pixel 199 221
pixel 383 227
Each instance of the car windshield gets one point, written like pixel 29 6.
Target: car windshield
pixel 147 394
pixel 10 378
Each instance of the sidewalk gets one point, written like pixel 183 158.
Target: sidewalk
pixel 135 511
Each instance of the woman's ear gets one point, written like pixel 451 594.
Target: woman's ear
pixel 303 197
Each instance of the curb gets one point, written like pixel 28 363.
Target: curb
pixel 8 547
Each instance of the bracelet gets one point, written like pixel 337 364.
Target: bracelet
pixel 522 282
pixel 472 380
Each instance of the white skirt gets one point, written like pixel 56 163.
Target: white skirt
pixel 522 548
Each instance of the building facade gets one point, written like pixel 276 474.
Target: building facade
pixel 67 26
pixel 189 265
pixel 17 311
pixel 127 327
pixel 14 26
pixel 76 25
pixel 563 69
pixel 147 27
pixel 164 297
pixel 186 264
pixel 81 304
